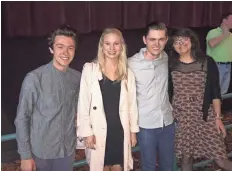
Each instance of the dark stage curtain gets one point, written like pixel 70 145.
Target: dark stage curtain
pixel 39 18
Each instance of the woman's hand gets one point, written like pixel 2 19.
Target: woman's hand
pixel 220 127
pixel 133 139
pixel 90 142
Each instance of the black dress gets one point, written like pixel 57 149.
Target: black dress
pixel 115 135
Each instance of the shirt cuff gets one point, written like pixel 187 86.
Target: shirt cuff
pixel 25 155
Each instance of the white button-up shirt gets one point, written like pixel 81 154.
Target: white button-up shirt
pixel 151 77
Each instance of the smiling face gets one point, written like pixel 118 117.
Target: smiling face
pixel 182 45
pixel 63 51
pixel 112 46
pixel 155 42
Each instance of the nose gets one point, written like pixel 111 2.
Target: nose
pixel 112 47
pixel 65 51
pixel 156 43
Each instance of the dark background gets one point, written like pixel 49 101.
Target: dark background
pixel 25 26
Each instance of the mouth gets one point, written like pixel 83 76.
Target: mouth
pixel 65 58
pixel 112 53
pixel 155 48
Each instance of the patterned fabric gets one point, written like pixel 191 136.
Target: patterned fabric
pixel 194 136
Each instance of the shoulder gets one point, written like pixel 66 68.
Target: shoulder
pixel 42 71
pixel 133 58
pixel 136 57
pixel 89 67
pixel 75 73
pixel 134 62
pixel 33 76
pixel 213 33
pixel 39 71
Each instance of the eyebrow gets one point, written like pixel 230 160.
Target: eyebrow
pixel 60 44
pixel 156 39
pixel 106 41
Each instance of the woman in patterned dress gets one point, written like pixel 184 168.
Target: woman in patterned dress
pixel 196 103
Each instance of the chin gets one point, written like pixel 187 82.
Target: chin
pixel 156 53
pixel 65 63
pixel 112 57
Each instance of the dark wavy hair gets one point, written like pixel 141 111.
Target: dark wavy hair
pixel 196 51
pixel 63 30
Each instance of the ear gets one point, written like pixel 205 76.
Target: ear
pixel 51 51
pixel 144 40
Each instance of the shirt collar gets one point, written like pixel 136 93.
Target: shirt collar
pixel 56 70
pixel 161 56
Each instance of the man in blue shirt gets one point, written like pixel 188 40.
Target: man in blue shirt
pixel 46 113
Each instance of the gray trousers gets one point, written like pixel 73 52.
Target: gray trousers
pixel 59 164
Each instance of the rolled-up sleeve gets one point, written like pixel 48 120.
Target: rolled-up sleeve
pixel 27 99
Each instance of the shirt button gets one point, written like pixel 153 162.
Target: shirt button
pixel 94 108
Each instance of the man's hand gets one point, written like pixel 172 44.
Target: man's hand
pixel 28 165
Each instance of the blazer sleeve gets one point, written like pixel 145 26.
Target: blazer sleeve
pixel 84 128
pixel 132 103
pixel 214 79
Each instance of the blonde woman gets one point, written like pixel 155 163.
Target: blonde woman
pixel 107 109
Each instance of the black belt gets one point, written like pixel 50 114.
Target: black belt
pixel 224 63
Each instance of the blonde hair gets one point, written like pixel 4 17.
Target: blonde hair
pixel 122 59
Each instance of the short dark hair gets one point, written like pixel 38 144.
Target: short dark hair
pixel 225 16
pixel 63 30
pixel 156 25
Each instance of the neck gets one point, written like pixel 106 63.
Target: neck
pixel 59 67
pixel 111 64
pixel 150 56
pixel 111 68
pixel 187 58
